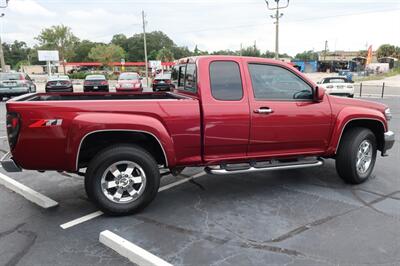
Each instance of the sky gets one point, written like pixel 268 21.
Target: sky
pixel 214 25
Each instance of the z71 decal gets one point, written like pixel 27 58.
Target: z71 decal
pixel 47 123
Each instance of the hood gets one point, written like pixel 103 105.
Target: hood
pixel 357 102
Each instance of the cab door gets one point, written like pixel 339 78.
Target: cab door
pixel 285 120
pixel 225 108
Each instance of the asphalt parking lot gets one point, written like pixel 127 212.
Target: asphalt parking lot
pixel 296 217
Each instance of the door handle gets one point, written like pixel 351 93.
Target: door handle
pixel 263 110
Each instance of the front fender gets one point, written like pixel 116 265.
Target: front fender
pixel 349 114
pixel 86 124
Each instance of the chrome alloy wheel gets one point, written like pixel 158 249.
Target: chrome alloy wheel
pixel 364 157
pixel 123 182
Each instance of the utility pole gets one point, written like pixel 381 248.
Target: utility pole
pixel 2 61
pixel 145 48
pixel 325 50
pixel 277 16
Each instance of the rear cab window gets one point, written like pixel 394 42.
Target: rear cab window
pixel 183 77
pixel 226 82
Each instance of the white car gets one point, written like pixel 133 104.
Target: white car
pixel 339 86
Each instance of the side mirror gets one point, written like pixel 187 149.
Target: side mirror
pixel 319 82
pixel 319 94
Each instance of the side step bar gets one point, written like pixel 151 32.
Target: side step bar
pixel 270 166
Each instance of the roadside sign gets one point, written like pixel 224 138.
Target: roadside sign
pixel 155 64
pixel 47 55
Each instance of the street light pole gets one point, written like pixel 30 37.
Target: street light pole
pixel 277 16
pixel 2 61
pixel 145 49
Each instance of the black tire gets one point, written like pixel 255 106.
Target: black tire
pixel 98 167
pixel 346 158
pixel 351 96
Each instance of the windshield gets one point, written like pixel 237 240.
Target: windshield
pixel 129 76
pixel 96 77
pixel 335 80
pixel 10 76
pixel 165 76
pixel 58 78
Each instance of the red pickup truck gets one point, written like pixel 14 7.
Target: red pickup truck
pixel 229 114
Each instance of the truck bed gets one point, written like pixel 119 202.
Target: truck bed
pixel 53 126
pixel 99 96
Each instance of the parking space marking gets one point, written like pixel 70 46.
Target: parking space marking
pixel 99 213
pixel 3 137
pixel 177 183
pixel 28 193
pixel 130 251
pixel 82 219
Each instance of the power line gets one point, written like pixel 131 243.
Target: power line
pixel 287 22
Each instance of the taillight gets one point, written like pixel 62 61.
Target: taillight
pixel 329 87
pixel 13 126
pixel 104 83
pixel 155 81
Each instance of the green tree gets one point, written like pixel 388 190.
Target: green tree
pixel 120 40
pixel 60 38
pixel 181 52
pixel 386 50
pixel 107 54
pixel 224 52
pixel 82 50
pixel 251 51
pixel 307 56
pixel 15 52
pixel 165 55
pixel 156 40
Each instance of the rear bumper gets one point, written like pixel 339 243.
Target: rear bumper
pixel 8 163
pixel 92 89
pixel 162 87
pixel 13 91
pixel 59 89
pixel 388 142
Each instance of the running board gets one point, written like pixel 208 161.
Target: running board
pixel 256 167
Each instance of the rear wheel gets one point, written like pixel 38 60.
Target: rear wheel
pixel 122 179
pixel 356 156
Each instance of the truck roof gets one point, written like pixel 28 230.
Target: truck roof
pixel 193 59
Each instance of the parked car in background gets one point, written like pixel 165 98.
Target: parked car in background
pixel 59 84
pixel 128 82
pixel 339 86
pixel 162 82
pixel 14 84
pixel 95 83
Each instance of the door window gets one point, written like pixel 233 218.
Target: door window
pixel 277 83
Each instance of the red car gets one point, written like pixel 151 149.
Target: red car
pixel 129 82
pixel 229 114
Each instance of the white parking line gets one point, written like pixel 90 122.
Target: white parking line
pixel 3 137
pixel 81 219
pixel 177 183
pixel 99 213
pixel 26 192
pixel 130 251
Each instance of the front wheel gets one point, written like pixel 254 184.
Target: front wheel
pixel 122 179
pixel 356 156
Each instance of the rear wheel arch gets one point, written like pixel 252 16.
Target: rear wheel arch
pixel 96 141
pixel 375 125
